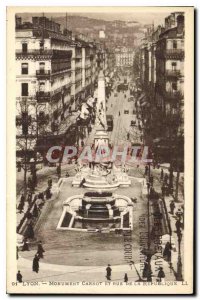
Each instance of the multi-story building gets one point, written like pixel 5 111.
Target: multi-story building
pixel 55 73
pixel 162 80
pixel 124 57
pixel 43 77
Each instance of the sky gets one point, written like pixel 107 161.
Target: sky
pixel 141 17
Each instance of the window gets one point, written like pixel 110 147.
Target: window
pixel 42 67
pixel 174 66
pixel 24 47
pixel 24 89
pixel 41 87
pixel 24 68
pixel 174 86
pixel 174 44
pixel 41 45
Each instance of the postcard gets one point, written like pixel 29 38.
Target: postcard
pixel 100 143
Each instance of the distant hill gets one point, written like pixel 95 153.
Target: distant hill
pixel 74 22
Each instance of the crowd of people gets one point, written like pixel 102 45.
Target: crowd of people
pixel 35 203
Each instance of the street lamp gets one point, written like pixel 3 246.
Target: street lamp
pixel 178 274
pixel 148 252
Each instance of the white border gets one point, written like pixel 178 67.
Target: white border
pixel 3 91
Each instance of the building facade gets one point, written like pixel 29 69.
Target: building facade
pixel 55 74
pixel 124 57
pixel 162 82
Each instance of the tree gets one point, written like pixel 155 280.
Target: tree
pixel 136 64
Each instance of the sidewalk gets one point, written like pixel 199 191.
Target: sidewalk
pixel 42 176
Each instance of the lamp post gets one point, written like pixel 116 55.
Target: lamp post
pixel 149 252
pixel 24 113
pixel 179 276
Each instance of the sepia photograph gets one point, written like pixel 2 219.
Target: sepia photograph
pixel 100 119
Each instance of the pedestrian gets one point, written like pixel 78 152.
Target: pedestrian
pixel 179 214
pixel 41 195
pixel 40 250
pixel 151 180
pixel 49 182
pixel 29 198
pixel 35 211
pixel 58 171
pixel 108 272
pixel 128 136
pixel 67 174
pixel 82 182
pixel 166 177
pixel 167 252
pixel 178 225
pixel 146 170
pixel 29 234
pixel 21 206
pixel 35 266
pixel 163 188
pixel 172 207
pixel 149 275
pixel 145 270
pixel 161 274
pixel 25 246
pixel 48 193
pixel 125 277
pixel 161 174
pixel 152 193
pixel 119 113
pixel 34 179
pixel 19 276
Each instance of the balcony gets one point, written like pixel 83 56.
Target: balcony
pixel 43 73
pixel 32 52
pixel 173 73
pixel 53 53
pixel 170 53
pixel 25 98
pixel 43 97
pixel 174 53
pixel 175 95
pixel 61 71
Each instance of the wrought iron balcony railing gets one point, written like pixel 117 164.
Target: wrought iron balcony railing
pixel 175 95
pixel 43 73
pixel 170 53
pixel 173 73
pixel 43 96
pixel 53 52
